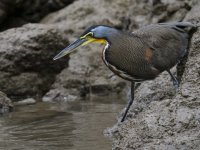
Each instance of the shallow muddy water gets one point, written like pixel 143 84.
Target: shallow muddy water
pixel 57 126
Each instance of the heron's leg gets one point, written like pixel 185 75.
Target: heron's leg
pixel 174 79
pixel 130 100
pixel 181 67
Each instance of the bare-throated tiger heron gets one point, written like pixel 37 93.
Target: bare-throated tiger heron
pixel 140 55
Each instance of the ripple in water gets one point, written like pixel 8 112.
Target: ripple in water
pixel 51 126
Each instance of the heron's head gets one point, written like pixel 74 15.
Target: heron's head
pixel 95 34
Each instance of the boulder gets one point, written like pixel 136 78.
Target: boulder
pixel 5 103
pixel 27 67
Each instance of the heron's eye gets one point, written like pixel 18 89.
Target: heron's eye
pixel 88 35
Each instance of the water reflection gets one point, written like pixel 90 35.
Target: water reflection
pixel 71 126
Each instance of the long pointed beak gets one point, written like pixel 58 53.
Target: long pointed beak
pixel 69 48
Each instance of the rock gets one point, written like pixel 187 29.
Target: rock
pixel 25 84
pixel 193 15
pixel 82 14
pixel 39 8
pixel 15 13
pixel 124 15
pixel 5 104
pixel 26 53
pixel 161 118
pixel 61 95
pixel 184 115
pixel 28 101
pixel 6 8
pixel 35 43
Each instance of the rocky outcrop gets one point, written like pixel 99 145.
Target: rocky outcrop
pixel 26 53
pixel 162 118
pixel 5 104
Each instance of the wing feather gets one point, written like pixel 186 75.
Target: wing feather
pixel 169 42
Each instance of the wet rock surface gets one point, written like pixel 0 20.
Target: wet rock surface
pixel 28 101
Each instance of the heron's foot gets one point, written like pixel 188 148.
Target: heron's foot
pixel 123 118
pixel 175 82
